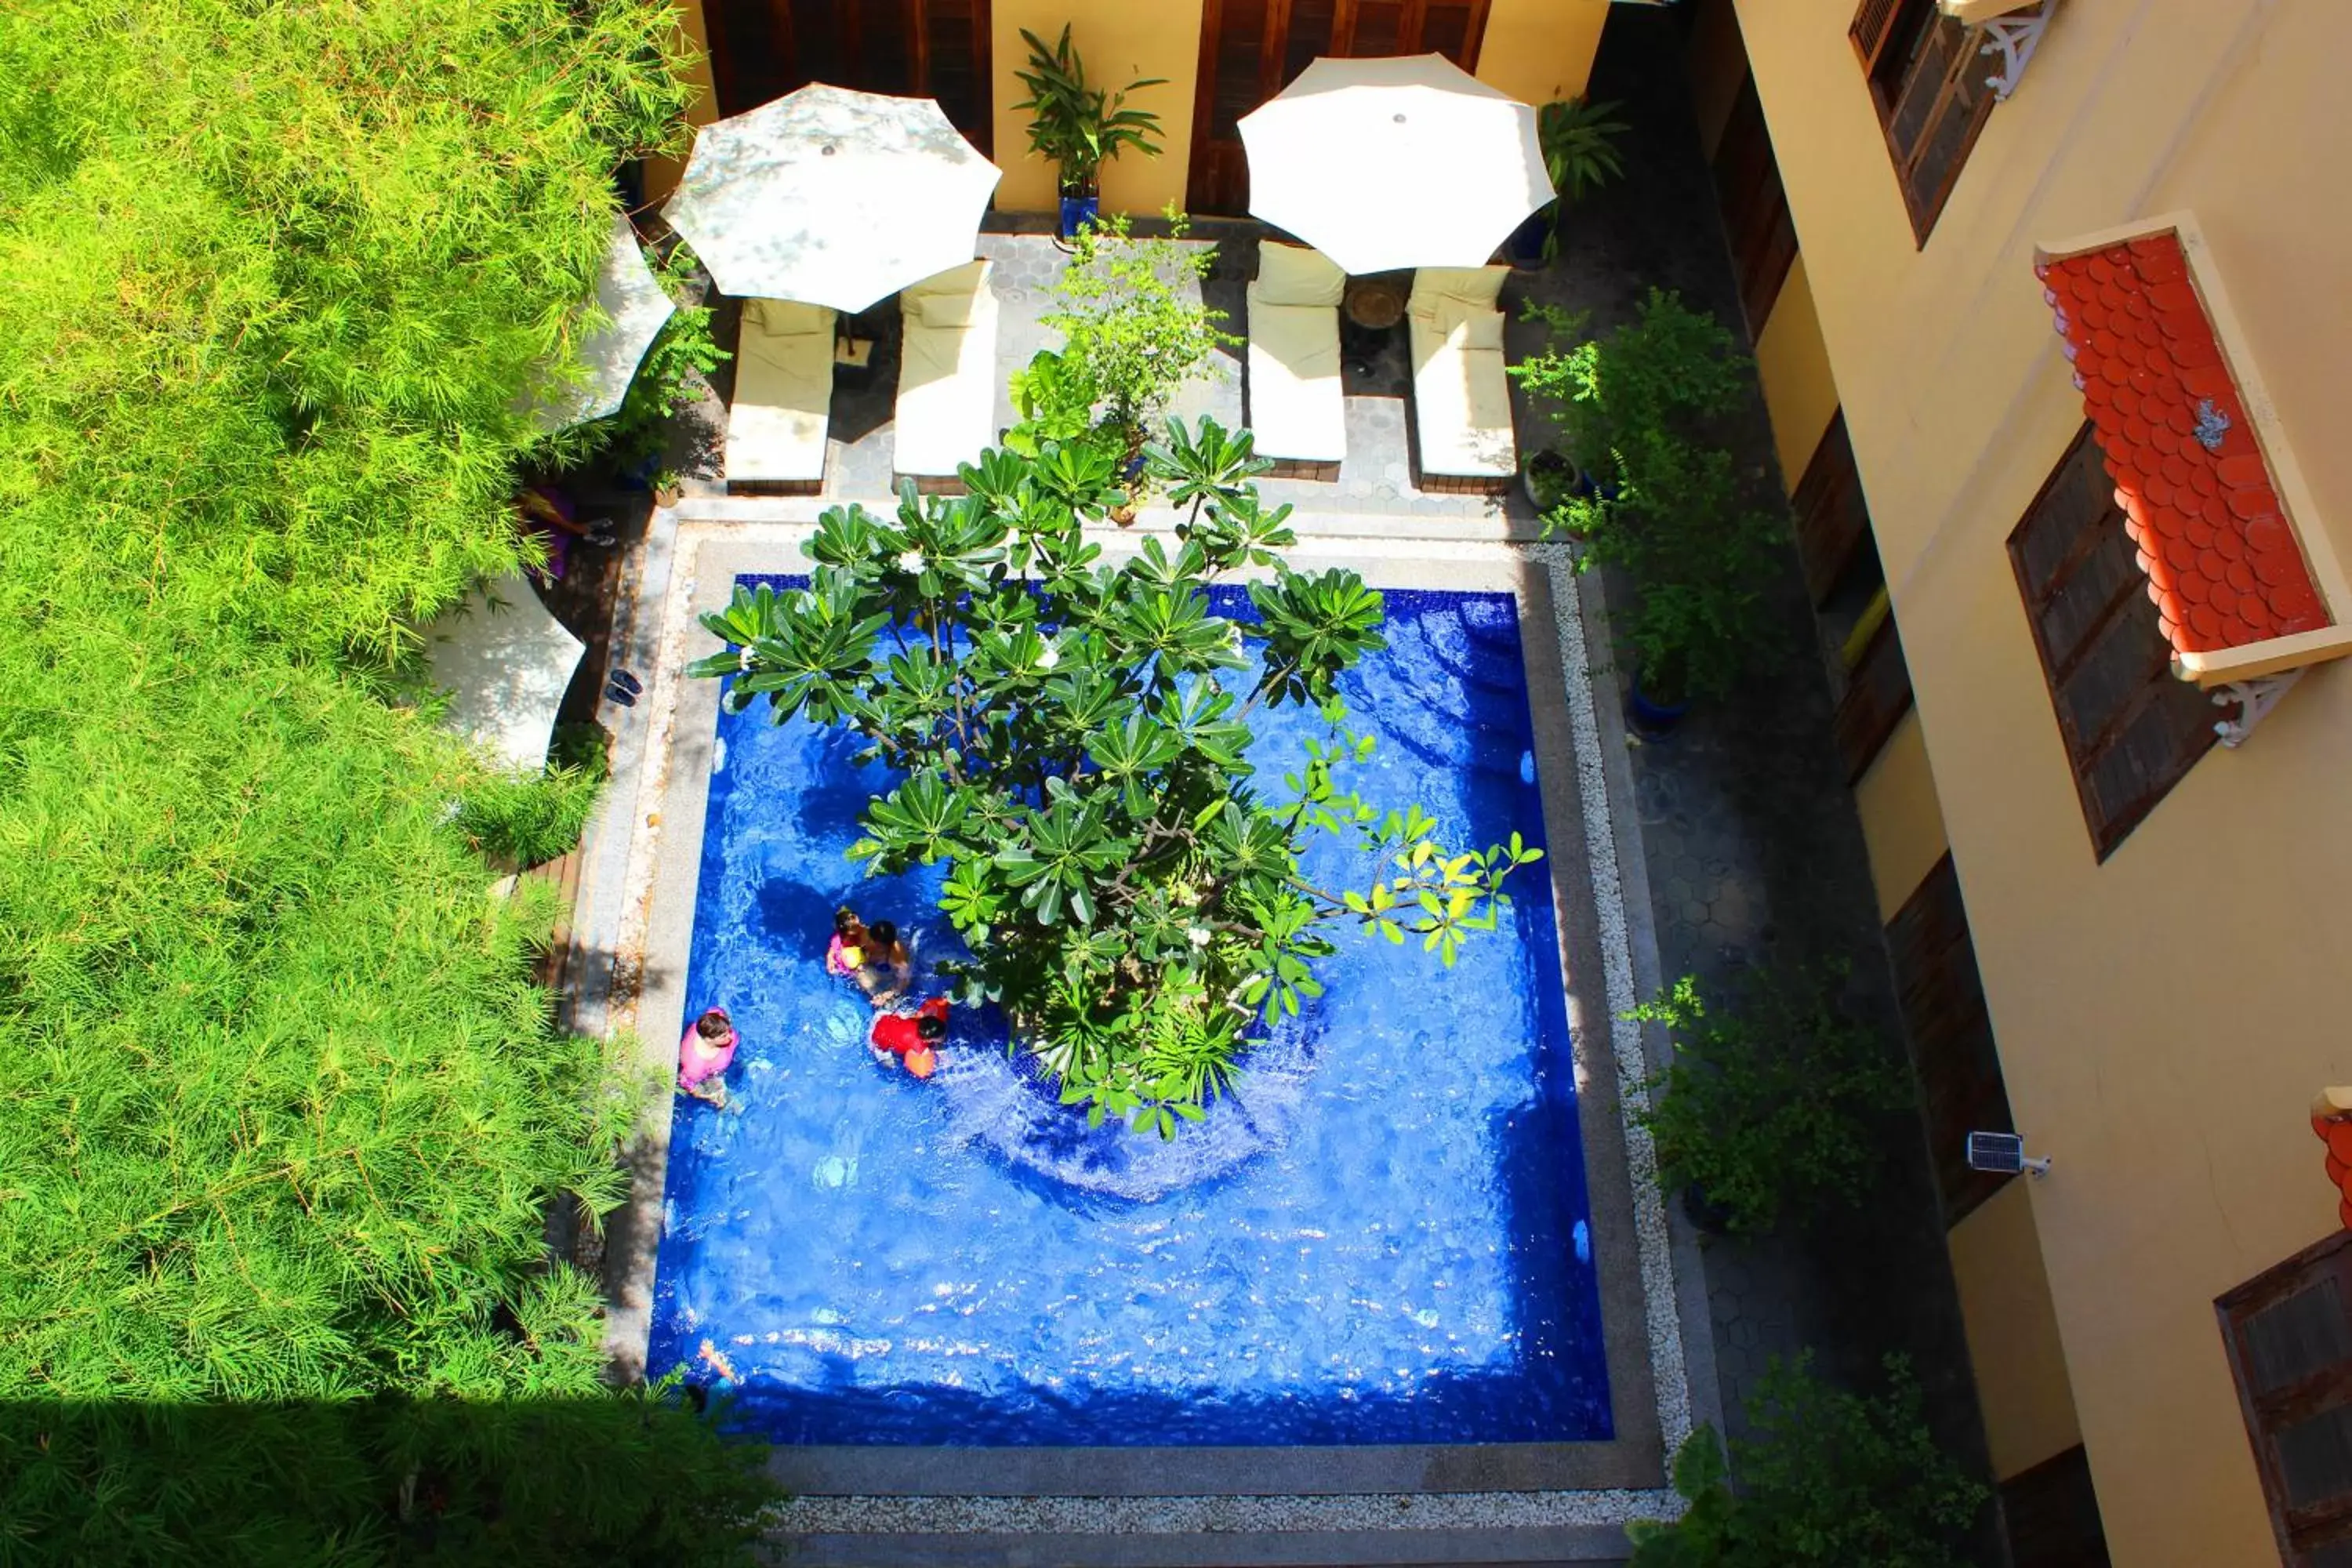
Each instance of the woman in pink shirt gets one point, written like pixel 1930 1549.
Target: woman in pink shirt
pixel 704 1055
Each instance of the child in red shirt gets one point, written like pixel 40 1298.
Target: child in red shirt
pixel 913 1038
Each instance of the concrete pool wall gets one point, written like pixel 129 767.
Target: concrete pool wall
pixel 1565 1500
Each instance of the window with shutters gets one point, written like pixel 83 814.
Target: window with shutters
pixel 1952 1050
pixel 762 49
pixel 2132 730
pixel 1849 592
pixel 1250 50
pixel 2288 1334
pixel 1878 688
pixel 1756 219
pixel 1927 77
pixel 2050 1514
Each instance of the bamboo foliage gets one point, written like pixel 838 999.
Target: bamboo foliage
pixel 280 1111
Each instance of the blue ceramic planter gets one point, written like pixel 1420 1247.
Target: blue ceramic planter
pixel 1077 212
pixel 1650 716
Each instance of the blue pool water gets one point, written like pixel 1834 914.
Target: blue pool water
pixel 1379 1238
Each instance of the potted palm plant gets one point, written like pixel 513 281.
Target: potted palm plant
pixel 1078 126
pixel 1579 140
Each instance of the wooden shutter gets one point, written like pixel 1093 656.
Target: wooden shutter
pixel 1832 517
pixel 1251 49
pixel 1952 1048
pixel 2289 1337
pixel 762 49
pixel 1756 220
pixel 1874 28
pixel 2132 730
pixel 2051 1514
pixel 1877 694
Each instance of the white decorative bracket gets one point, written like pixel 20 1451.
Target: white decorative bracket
pixel 2015 38
pixel 2254 699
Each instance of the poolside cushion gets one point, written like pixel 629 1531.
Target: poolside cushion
pixel 786 317
pixel 1461 398
pixel 947 371
pixel 1471 285
pixel 1295 408
pixel 783 394
pixel 1295 275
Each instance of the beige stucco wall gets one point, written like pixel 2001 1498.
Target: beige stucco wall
pixel 2012 1334
pixel 1902 825
pixel 2163 1019
pixel 1540 50
pixel 1801 391
pixel 1120 41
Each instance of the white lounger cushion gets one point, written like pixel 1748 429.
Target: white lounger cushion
pixel 1297 410
pixel 947 371
pixel 1461 398
pixel 1295 275
pixel 784 392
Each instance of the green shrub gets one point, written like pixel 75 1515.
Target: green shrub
pixel 1640 411
pixel 1830 1480
pixel 518 821
pixel 1768 1103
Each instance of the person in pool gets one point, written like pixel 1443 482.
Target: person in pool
pixel 885 968
pixel 704 1056
pixel 845 954
pixel 912 1037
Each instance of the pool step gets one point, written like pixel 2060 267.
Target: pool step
pixel 1561 1547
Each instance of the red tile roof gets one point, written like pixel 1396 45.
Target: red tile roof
pixel 2336 1132
pixel 2222 563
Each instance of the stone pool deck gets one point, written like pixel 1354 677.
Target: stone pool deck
pixel 1734 841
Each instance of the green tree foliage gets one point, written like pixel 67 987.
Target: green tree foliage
pixel 1135 329
pixel 1827 1479
pixel 1768 1103
pixel 1639 410
pixel 280 1111
pixel 1067 733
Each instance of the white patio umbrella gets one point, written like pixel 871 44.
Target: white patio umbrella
pixel 637 306
pixel 506 663
pixel 1391 162
pixel 832 197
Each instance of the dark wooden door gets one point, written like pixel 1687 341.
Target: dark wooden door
pixel 1755 209
pixel 1251 49
pixel 762 49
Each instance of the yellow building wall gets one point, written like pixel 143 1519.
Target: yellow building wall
pixel 1541 50
pixel 2163 1019
pixel 662 175
pixel 1120 41
pixel 2013 1332
pixel 1901 825
pixel 1800 392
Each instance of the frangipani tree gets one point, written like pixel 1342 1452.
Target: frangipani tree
pixel 1070 735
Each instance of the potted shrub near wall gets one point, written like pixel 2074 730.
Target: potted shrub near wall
pixel 1658 495
pixel 1580 149
pixel 1079 127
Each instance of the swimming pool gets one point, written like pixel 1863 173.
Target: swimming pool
pixel 1381 1237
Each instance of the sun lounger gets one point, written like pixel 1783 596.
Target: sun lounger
pixel 1461 398
pixel 947 373
pixel 783 394
pixel 1296 408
